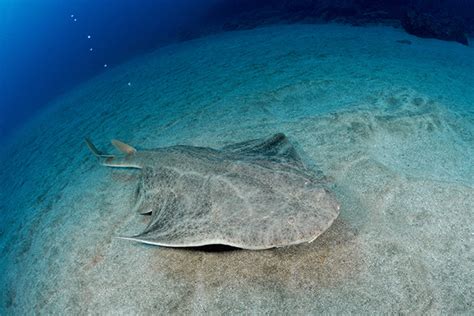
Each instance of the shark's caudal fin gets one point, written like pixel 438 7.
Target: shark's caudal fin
pixel 95 151
pixel 127 161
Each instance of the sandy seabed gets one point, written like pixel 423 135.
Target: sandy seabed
pixel 391 124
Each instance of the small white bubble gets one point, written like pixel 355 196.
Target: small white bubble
pixel 88 36
pixel 75 20
pixel 72 15
pixel 129 83
pixel 105 65
pixel 91 49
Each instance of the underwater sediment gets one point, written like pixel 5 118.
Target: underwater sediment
pixel 391 126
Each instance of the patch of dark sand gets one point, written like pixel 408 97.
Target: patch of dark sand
pixel 329 260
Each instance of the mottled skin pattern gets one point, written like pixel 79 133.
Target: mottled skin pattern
pixel 254 195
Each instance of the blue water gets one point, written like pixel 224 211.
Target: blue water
pixel 45 49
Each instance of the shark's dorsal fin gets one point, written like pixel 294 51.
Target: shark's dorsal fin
pixel 124 148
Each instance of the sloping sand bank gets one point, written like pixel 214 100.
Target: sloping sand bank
pixel 390 124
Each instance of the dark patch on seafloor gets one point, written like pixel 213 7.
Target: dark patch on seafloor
pixel 406 42
pixel 288 268
pixel 213 248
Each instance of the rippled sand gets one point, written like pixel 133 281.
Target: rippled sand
pixel 390 124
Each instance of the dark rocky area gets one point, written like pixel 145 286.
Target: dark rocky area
pixel 439 26
pixel 441 19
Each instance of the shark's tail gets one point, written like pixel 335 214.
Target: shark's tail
pixel 95 151
pixel 108 160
